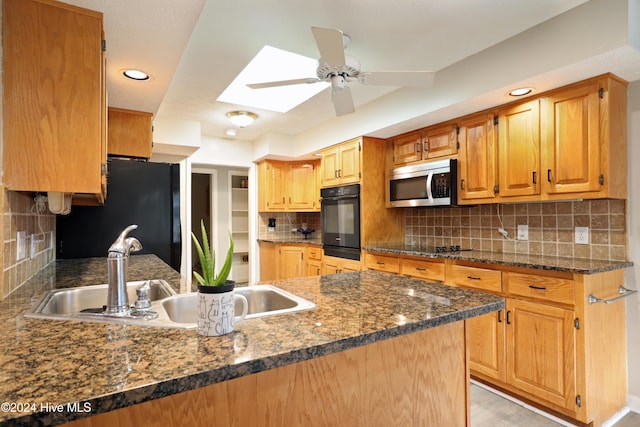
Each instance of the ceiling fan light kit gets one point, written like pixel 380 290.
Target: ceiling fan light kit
pixel 339 69
pixel 241 118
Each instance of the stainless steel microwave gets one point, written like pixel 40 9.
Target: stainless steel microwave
pixel 426 184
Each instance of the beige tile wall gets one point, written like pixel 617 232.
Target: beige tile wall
pixel 18 214
pixel 285 221
pixel 551 228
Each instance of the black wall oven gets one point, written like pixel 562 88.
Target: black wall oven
pixel 340 210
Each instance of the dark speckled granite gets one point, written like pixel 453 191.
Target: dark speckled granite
pixel 537 262
pixel 311 241
pixel 111 366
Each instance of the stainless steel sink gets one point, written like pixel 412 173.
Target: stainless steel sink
pixel 67 303
pixel 174 310
pixel 263 300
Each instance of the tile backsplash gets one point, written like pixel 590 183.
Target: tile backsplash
pixel 19 214
pixel 286 221
pixel 551 228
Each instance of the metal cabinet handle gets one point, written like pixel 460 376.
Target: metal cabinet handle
pixel 534 177
pixel 462 184
pixel 624 292
pixel 421 269
pixel 508 319
pixel 339 173
pixel 473 278
pixel 499 316
pixel 417 147
pixel 380 262
pixel 426 146
pixel 540 288
pixel 549 175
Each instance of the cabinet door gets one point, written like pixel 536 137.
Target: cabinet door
pixel 349 170
pixel 519 149
pixel 349 266
pixel 53 99
pixel 275 186
pixel 476 159
pixel 571 140
pixel 301 181
pixel 329 167
pixel 486 345
pixel 423 269
pixel 440 141
pixel 129 133
pixel 269 261
pixel 314 268
pixel 407 148
pixel 541 351
pixel 292 263
pixel 330 265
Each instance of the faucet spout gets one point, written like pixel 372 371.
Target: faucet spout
pixel 117 263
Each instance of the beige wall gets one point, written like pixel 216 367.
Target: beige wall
pixel 632 274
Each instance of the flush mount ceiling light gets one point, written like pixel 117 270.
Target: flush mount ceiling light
pixel 136 74
pixel 521 91
pixel 241 118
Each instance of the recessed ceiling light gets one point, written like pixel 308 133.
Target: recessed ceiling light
pixel 136 74
pixel 272 64
pixel 232 132
pixel 521 91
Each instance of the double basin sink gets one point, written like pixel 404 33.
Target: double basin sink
pixel 174 310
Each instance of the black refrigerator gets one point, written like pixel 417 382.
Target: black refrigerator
pixel 142 193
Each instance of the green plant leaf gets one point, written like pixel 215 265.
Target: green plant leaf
pixel 226 267
pixel 199 278
pixel 209 273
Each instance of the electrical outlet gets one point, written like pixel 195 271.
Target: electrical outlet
pixel 582 235
pixel 21 245
pixel 34 246
pixel 523 232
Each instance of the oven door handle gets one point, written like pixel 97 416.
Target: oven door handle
pixel 332 199
pixel 429 193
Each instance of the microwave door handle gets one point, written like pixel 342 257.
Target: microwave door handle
pixel 429 193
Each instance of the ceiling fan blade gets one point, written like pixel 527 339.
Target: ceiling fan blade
pixel 342 101
pixel 398 78
pixel 331 45
pixel 283 83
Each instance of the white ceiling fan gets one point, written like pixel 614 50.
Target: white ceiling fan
pixel 337 68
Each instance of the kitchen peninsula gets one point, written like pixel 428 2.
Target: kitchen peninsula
pixel 377 349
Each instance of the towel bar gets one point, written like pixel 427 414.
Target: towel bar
pixel 624 292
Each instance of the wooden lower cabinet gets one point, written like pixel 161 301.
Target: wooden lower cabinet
pixel 334 265
pixel 285 260
pixel 569 358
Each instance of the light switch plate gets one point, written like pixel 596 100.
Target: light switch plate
pixel 523 232
pixel 582 235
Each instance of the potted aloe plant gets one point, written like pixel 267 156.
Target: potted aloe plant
pixel 216 297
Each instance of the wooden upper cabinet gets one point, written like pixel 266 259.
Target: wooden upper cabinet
pixel 288 186
pixel 519 149
pixel 129 133
pixel 440 141
pixel 54 100
pixel 341 163
pixel 477 158
pixel 301 181
pixel 584 140
pixel 428 143
pixel 407 148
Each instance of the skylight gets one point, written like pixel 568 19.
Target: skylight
pixel 272 64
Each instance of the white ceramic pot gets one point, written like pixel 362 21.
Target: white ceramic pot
pixel 216 309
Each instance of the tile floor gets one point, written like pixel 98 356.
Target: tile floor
pixel 491 410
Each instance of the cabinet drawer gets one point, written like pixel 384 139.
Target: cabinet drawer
pixel 541 287
pixel 478 278
pixel 423 269
pixel 314 252
pixel 387 263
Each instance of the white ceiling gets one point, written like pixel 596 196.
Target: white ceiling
pixel 195 48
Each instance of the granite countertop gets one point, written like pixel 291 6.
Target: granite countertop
pixel 311 240
pixel 536 262
pixel 103 366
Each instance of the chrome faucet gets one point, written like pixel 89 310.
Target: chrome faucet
pixel 117 263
